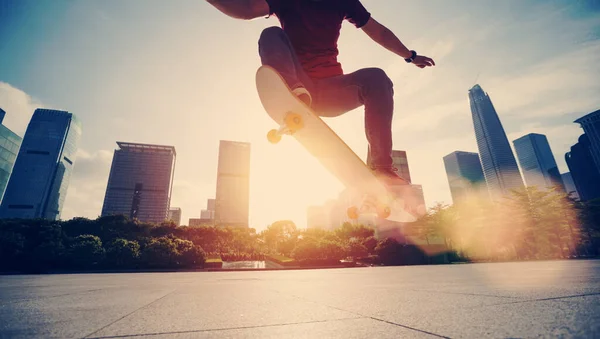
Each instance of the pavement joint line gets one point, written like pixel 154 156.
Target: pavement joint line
pixel 552 298
pixel 130 313
pixel 226 328
pixel 368 316
pixel 464 293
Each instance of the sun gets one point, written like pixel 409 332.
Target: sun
pixel 285 180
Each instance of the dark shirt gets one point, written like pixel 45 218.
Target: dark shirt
pixel 313 27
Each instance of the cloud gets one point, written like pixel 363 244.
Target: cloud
pixel 19 107
pixel 88 184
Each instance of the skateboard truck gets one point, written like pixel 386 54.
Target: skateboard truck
pixel 291 123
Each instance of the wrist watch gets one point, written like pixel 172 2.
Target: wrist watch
pixel 412 57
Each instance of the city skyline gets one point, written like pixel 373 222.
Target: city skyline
pixel 534 91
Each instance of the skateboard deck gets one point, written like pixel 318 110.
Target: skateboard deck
pixel 295 118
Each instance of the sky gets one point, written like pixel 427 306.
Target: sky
pixel 181 73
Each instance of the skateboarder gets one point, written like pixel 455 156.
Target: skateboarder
pixel 304 50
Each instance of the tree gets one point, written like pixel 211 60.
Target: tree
pixel 370 243
pixel 160 252
pixel 122 253
pixel 357 250
pixel 388 251
pixel 85 251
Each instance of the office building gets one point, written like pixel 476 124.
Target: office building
pixel 38 185
pixel 583 170
pixel 465 176
pixel 537 161
pixel 9 147
pixel 570 185
pixel 590 124
pixel 233 184
pixel 209 212
pixel 175 215
pixel 140 182
pixel 497 160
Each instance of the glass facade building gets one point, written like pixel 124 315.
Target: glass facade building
pixel 537 161
pixel 591 126
pixel 40 179
pixel 583 170
pixel 232 200
pixel 9 148
pixel 497 159
pixel 465 176
pixel 140 182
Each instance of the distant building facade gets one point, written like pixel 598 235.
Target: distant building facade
pixel 232 199
pixel 175 215
pixel 590 124
pixel 9 148
pixel 537 161
pixel 497 159
pixel 465 176
pixel 38 185
pixel 140 182
pixel 583 169
pixel 570 185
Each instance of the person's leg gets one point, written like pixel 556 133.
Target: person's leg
pixel 276 50
pixel 372 88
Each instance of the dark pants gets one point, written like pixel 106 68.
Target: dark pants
pixel 337 95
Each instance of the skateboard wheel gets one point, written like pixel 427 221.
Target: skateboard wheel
pixel 352 213
pixel 293 121
pixel 273 136
pixel 383 211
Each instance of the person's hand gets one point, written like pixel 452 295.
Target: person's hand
pixel 422 61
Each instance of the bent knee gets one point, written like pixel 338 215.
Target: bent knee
pixel 377 77
pixel 271 33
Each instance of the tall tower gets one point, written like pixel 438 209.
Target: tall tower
pixel 591 126
pixel 499 165
pixel 40 178
pixel 465 176
pixel 9 147
pixel 140 182
pixel 583 170
pixel 232 201
pixel 537 161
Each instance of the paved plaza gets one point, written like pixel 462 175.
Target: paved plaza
pixel 501 300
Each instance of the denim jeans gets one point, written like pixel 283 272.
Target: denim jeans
pixel 337 95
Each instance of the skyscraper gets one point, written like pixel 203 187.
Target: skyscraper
pixel 583 170
pixel 9 147
pixel 498 162
pixel 233 184
pixel 591 126
pixel 140 182
pixel 465 176
pixel 40 178
pixel 537 161
pixel 175 215
pixel 567 179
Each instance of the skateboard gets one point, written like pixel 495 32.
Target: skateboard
pixel 298 120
